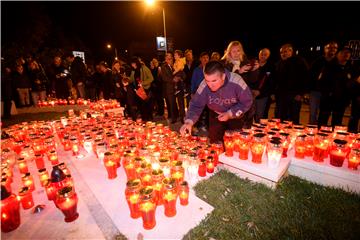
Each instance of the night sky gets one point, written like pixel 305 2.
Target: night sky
pixel 197 25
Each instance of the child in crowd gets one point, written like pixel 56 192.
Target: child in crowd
pixel 178 72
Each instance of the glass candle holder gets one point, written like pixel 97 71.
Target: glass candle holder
pixel 184 193
pixel 202 168
pixel 28 181
pixel 67 143
pixel 300 147
pixel 309 145
pixel 23 168
pixel 88 144
pixel 157 177
pixel 258 147
pixel 285 140
pixel 147 207
pixel 274 153
pixel 165 166
pixel 170 196
pixel 43 176
pixel 311 129
pixel 320 147
pixel 145 174
pixel 244 145
pixel 26 198
pixel 229 143
pixel 132 194
pixel 10 211
pixel 64 168
pixel 100 150
pixel 338 153
pixel 39 160
pixel 354 159
pixel 6 182
pixel 53 158
pixel 66 201
pixel 50 190
pixel 210 164
pixel 110 165
pixel 75 146
pixel 177 171
pixel 129 167
pixel 27 153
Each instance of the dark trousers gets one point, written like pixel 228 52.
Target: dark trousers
pixel 218 128
pixel 355 115
pixel 7 108
pixel 288 108
pixel 330 105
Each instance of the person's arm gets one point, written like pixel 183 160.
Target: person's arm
pixel 244 98
pixel 197 104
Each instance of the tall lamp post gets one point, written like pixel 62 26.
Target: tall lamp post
pixel 109 47
pixel 151 3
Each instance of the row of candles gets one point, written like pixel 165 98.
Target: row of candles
pixel 59 187
pixel 275 138
pixel 98 105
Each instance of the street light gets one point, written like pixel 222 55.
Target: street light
pixel 151 3
pixel 109 47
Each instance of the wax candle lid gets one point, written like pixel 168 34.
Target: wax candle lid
pixel 57 174
pixel 276 139
pixel 23 190
pixel 65 192
pixel 157 172
pixel 259 135
pixel 42 170
pixel 6 150
pixel 210 158
pixel 108 153
pixel 164 160
pixel 340 142
pixel 184 184
pixel 169 183
pixel 271 133
pixel 4 193
pixel 133 183
pixel 146 193
pixel 177 163
pixel 25 175
pixel 203 160
pixel 275 142
pixel 38 155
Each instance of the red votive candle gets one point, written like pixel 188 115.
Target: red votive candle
pixel 10 211
pixel 66 201
pixel 147 208
pixel 26 198
pixel 132 194
pixel 170 196
pixel 184 193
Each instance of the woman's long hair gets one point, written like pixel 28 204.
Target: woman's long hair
pixel 227 56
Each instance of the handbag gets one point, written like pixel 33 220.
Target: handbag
pixel 141 93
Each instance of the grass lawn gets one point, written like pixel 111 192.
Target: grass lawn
pixel 297 209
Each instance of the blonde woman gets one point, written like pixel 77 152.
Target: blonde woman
pixel 236 59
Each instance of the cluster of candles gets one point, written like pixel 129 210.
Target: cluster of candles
pixel 104 105
pixel 274 139
pixel 33 144
pixel 143 149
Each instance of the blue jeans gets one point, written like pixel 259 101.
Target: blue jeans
pixel 314 106
pixel 260 105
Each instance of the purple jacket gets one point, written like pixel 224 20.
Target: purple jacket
pixel 234 96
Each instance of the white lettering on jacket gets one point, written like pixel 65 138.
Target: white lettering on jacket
pixel 220 101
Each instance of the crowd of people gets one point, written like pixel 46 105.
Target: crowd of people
pixel 332 82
